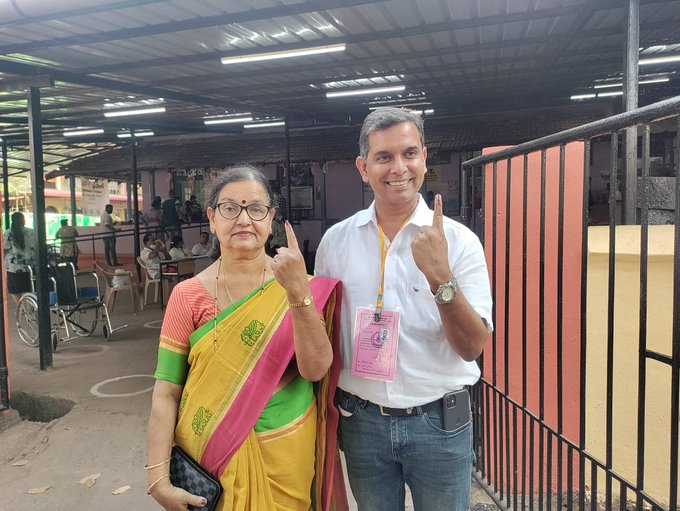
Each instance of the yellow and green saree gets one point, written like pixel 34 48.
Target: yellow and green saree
pixel 271 449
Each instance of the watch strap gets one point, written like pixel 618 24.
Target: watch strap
pixel 305 302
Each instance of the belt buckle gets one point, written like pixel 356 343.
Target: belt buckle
pixel 380 407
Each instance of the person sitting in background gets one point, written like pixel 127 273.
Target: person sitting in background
pixel 69 247
pixel 177 250
pixel 153 252
pixel 203 246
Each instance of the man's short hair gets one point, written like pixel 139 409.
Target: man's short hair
pixel 383 118
pixel 147 237
pixel 64 221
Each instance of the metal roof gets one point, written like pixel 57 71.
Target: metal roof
pixel 457 57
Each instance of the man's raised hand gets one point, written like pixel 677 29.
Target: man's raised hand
pixel 430 248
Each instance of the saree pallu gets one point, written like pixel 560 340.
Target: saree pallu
pixel 264 446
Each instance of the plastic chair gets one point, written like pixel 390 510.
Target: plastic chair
pixel 149 280
pixel 117 280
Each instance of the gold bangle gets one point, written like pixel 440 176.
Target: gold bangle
pixel 149 467
pixel 148 490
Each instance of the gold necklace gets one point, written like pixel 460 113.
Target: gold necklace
pixel 226 287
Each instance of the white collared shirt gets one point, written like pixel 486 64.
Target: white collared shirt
pixel 427 366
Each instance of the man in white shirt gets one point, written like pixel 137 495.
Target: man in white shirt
pixel 416 312
pixel 107 222
pixel 203 246
pixel 153 252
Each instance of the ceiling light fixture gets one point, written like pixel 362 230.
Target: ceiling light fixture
pixel 359 92
pixel 137 134
pixel 227 120
pixel 609 94
pixel 582 96
pixel 641 82
pixel 316 50
pixel 138 111
pixel 265 124
pixel 659 60
pixel 78 133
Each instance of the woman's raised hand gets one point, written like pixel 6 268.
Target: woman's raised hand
pixel 289 268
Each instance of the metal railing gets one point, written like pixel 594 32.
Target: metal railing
pixel 531 450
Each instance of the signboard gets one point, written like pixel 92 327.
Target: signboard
pixel 95 196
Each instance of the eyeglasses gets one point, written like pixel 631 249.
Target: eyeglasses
pixel 231 210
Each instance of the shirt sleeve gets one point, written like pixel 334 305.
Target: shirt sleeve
pixel 173 351
pixel 320 259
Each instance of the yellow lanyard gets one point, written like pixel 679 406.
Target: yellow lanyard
pixel 383 257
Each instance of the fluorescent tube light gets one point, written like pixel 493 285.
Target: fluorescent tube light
pixel 137 134
pixel 359 92
pixel 641 82
pixel 77 133
pixel 265 124
pixel 608 94
pixel 659 60
pixel 283 54
pixel 582 96
pixel 227 120
pixel 138 111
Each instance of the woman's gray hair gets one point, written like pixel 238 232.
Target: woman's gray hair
pixel 384 118
pixel 236 174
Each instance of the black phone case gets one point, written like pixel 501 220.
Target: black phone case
pixel 456 409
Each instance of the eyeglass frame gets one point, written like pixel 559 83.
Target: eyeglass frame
pixel 243 208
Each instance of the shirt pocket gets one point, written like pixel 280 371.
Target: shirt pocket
pixel 420 316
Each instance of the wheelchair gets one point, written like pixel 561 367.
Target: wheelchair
pixel 76 307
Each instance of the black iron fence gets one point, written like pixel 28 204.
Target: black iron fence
pixel 579 397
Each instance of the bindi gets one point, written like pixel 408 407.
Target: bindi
pixel 243 202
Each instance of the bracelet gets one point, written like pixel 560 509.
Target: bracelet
pixel 149 467
pixel 148 490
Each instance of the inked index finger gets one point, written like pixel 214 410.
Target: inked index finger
pixel 438 218
pixel 290 236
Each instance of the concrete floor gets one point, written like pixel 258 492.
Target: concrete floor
pixel 108 385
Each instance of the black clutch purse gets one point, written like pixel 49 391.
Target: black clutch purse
pixel 185 473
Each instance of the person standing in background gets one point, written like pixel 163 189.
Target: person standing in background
pixel 172 215
pixel 69 247
pixel 107 221
pixel 19 255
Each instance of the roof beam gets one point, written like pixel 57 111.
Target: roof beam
pixel 190 24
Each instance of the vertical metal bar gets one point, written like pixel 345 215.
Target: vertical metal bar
pixel 623 496
pixel 560 310
pixel 514 457
pixel 4 370
pixel 38 191
pixel 324 214
pixel 72 196
pixel 152 184
pixel 541 293
pixel 128 201
pixel 675 379
pixel 570 477
pixel 584 323
pixel 630 102
pixel 135 203
pixel 610 314
pixel 642 332
pixel 549 468
pixel 532 465
pixel 473 219
pixel 463 192
pixel 287 172
pixel 494 336
pixel 593 486
pixel 506 321
pixel 525 181
pixel 487 421
pixel 5 183
pixel 541 466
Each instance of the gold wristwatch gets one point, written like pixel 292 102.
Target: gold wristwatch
pixel 306 301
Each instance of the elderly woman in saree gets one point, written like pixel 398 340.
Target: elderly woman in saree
pixel 246 367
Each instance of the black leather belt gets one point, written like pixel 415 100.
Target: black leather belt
pixel 396 412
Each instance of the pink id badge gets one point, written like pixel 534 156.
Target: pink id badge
pixel 375 344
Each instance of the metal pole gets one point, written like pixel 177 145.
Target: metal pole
pixel 4 371
pixel 38 191
pixel 288 173
pixel 630 102
pixel 324 219
pixel 128 210
pixel 5 182
pixel 72 183
pixel 135 202
pixel 152 184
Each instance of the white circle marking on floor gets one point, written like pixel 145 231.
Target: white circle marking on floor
pixel 154 324
pixel 96 393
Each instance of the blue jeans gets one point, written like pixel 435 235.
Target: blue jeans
pixel 383 453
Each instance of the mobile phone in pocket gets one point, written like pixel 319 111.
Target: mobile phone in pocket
pixel 456 409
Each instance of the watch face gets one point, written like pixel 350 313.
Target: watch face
pixel 307 300
pixel 448 294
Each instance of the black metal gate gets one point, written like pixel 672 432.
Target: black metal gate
pixel 550 427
